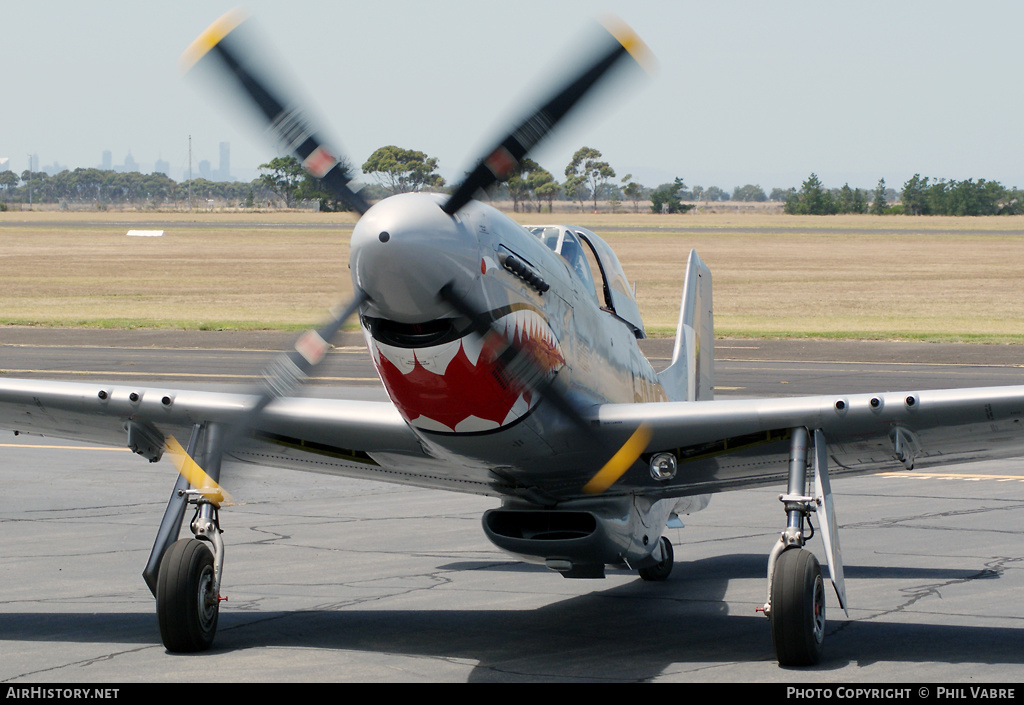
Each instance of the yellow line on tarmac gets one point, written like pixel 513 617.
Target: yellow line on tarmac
pixel 334 349
pixel 32 445
pixel 878 363
pixel 922 475
pixel 184 375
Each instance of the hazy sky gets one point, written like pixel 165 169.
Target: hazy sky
pixel 745 92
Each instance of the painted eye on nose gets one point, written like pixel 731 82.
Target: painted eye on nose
pixel 384 236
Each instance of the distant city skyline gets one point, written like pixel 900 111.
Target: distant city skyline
pixel 202 167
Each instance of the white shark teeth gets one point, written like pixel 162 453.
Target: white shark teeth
pixel 472 344
pixel 433 359
pixel 524 326
pixel 428 424
pixel 523 323
pixel 402 358
pixel 518 409
pixel 472 424
pixel 436 359
pixel 527 323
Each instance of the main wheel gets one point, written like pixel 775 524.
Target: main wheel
pixel 662 570
pixel 186 602
pixel 798 608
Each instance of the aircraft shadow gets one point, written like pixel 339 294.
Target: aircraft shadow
pixel 748 566
pixel 631 632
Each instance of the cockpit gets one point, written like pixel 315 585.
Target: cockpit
pixel 597 268
pixel 563 242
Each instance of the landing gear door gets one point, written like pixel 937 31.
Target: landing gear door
pixel 827 518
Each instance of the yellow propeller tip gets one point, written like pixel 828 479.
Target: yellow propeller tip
pixel 620 462
pixel 631 42
pixel 216 495
pixel 196 476
pixel 211 37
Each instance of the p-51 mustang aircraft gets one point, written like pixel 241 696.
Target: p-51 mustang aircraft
pixel 510 357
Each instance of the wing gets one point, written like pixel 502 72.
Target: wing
pixel 355 438
pixel 734 444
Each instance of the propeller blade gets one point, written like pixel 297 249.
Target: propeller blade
pixel 289 125
pixel 501 162
pixel 196 476
pixel 281 377
pixel 227 47
pixel 285 374
pixel 294 367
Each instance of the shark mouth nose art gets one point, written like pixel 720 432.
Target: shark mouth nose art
pixel 460 385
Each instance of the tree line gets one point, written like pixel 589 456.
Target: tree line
pixel 919 196
pixel 588 181
pixel 102 187
pixel 969 197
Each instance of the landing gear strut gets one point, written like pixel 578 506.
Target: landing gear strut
pixel 185 574
pixel 796 589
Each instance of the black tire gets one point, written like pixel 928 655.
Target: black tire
pixel 798 608
pixel 662 570
pixel 186 607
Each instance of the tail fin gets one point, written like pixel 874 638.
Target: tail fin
pixel 691 375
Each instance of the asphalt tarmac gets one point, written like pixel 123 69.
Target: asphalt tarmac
pixel 330 579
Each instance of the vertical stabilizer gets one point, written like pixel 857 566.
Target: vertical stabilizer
pixel 691 375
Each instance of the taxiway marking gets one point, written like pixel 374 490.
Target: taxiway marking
pixel 97 373
pixel 31 445
pixel 974 477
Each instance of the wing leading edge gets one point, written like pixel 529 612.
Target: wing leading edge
pixel 356 438
pixel 733 444
pixel 720 445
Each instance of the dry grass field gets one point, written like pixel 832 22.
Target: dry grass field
pixel 774 275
